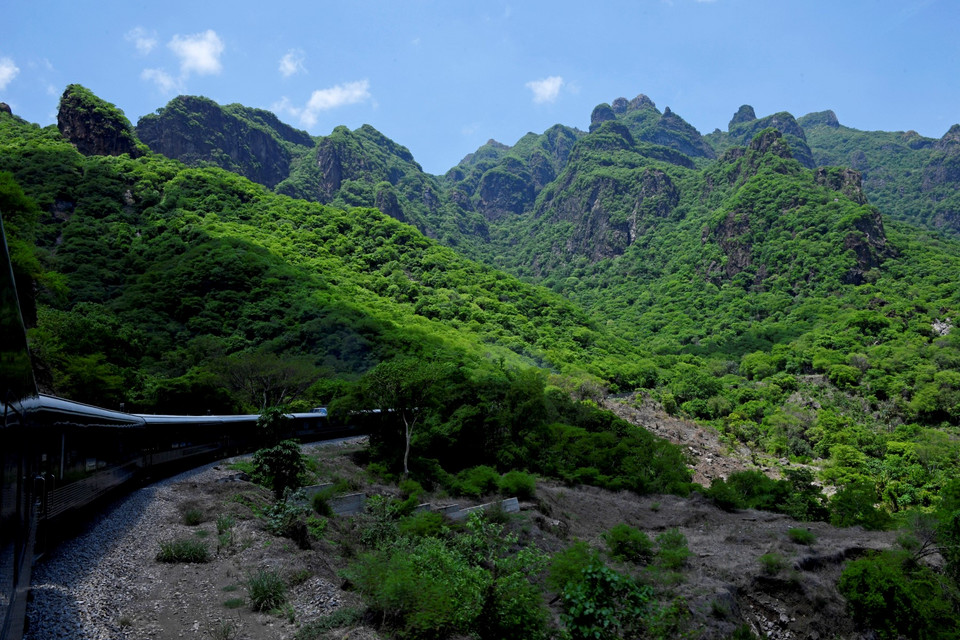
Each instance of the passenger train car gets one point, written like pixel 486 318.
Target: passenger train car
pixel 58 456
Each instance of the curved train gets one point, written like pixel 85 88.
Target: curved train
pixel 58 456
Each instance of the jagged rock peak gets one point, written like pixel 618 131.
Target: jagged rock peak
pixel 497 145
pixel 197 130
pixel 620 106
pixel 5 108
pixel 601 113
pixel 847 181
pixel 641 102
pixel 951 139
pixel 744 114
pixel 95 127
pixel 820 118
pixel 770 141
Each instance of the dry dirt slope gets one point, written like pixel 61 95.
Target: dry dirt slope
pixel 723 586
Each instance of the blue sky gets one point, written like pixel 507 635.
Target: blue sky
pixel 442 77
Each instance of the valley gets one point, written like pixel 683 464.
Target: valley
pixel 760 318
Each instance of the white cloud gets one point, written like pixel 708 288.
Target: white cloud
pixel 545 90
pixel 165 83
pixel 324 100
pixel 292 63
pixel 141 39
pixel 8 71
pixel 199 53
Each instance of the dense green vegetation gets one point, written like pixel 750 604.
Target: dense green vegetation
pixel 909 177
pixel 176 279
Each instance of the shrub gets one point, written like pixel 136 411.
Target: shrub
pixel 316 526
pixel 287 518
pixel 280 467
pixel 604 605
pixel 410 488
pixel 895 596
pixel 422 590
pixel 183 550
pixel 855 505
pixel 423 523
pixel 772 563
pixel 234 603
pixel 267 590
pixel 568 565
pixel 320 504
pixel 192 517
pixel 225 523
pixel 477 481
pixel 802 536
pixel 672 552
pixel 629 544
pixel 518 483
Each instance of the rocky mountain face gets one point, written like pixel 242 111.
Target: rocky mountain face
pixel 908 176
pixel 647 124
pixel 250 142
pixel 499 181
pixel 745 124
pixel 94 126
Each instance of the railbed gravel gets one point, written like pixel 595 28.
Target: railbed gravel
pixel 80 589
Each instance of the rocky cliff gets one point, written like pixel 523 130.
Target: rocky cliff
pixel 94 126
pixel 250 142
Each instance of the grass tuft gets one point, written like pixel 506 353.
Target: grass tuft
pixel 183 550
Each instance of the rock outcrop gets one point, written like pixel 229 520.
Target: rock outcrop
pixel 943 167
pixel 744 114
pixel 247 141
pixel 742 130
pixel 95 127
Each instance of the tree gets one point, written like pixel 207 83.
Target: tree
pixel 262 379
pixel 402 389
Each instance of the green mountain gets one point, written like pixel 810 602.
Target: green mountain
pixel 745 124
pixel 164 278
pixel 728 276
pixel 361 168
pixel 911 178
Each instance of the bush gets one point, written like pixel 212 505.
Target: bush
pixel 772 563
pixel 287 518
pixel 426 589
pixel 802 536
pixel 568 565
pixel 423 523
pixel 604 605
pixel 476 482
pixel 893 595
pixel 280 467
pixel 225 523
pixel 520 484
pixel 316 526
pixel 629 544
pixel 267 590
pixel 183 550
pixel 672 552
pixel 320 504
pixel 855 505
pixel 192 517
pixel 410 488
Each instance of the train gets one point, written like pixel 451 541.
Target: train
pixel 58 456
